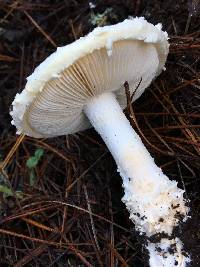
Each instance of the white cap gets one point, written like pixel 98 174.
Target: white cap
pixel 56 92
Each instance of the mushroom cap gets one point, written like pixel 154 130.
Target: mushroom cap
pixel 56 92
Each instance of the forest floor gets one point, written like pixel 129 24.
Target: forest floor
pixel 60 198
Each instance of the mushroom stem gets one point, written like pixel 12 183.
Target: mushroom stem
pixel 155 203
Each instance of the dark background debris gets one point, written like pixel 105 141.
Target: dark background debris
pixel 45 221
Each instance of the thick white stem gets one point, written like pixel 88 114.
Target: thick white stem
pixel 154 202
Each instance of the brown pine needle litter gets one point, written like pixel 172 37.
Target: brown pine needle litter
pixel 11 152
pixel 66 209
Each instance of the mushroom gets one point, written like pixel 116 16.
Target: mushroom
pixel 80 85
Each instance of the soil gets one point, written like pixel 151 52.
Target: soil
pixel 44 218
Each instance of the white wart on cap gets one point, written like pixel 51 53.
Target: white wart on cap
pixel 53 99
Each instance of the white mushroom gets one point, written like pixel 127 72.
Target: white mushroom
pixel 82 84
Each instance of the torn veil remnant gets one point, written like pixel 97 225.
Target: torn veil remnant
pixel 80 85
